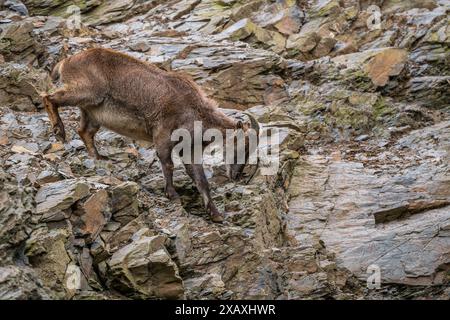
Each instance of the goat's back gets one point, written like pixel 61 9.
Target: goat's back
pixel 128 80
pixel 141 87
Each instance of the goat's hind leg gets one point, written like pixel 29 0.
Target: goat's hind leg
pixel 87 130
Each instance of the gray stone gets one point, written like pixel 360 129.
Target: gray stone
pixel 21 284
pixel 144 269
pixel 58 196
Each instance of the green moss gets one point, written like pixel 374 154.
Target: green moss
pixel 328 9
pixel 357 79
pixel 5 46
pixel 291 53
pixel 309 108
pixel 347 116
pixel 58 7
pixel 13 75
pixel 222 6
pixel 317 125
pixel 381 109
pixel 338 94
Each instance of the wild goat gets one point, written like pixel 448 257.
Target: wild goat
pixel 141 101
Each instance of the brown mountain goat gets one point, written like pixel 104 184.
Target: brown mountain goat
pixel 137 100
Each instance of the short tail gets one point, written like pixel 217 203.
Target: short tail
pixel 56 72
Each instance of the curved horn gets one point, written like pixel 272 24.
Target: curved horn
pixel 255 126
pixel 254 122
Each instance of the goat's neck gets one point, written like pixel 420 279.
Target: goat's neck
pixel 223 122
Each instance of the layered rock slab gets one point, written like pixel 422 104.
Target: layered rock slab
pixel 394 217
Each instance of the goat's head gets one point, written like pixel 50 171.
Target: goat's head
pixel 249 133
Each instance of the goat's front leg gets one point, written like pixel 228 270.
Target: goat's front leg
pixel 195 171
pixel 165 157
pixel 87 130
pixel 55 119
pixel 67 97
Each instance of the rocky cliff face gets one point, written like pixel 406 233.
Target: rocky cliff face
pixel 363 108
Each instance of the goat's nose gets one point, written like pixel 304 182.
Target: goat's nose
pixel 236 175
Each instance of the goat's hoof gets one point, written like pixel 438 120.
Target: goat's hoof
pixel 60 134
pixel 217 217
pixel 173 196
